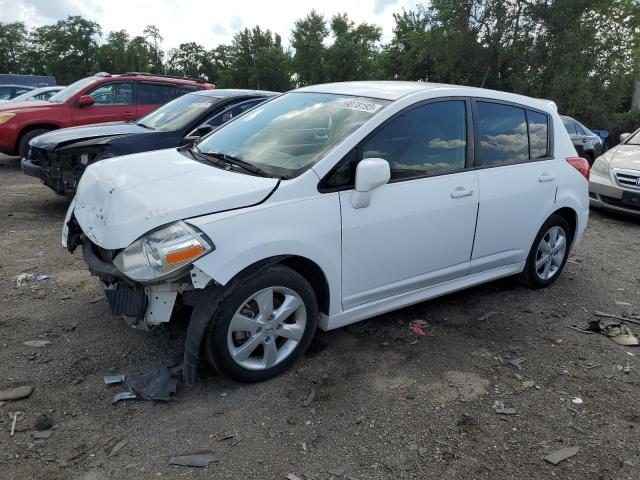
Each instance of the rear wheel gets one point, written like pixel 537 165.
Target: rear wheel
pixel 23 147
pixel 548 254
pixel 263 326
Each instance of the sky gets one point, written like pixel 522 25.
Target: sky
pixel 208 22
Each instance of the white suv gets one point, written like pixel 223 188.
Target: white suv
pixel 328 205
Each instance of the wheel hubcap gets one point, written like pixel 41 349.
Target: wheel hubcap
pixel 266 328
pixel 550 253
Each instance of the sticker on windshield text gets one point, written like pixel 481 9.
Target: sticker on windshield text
pixel 360 106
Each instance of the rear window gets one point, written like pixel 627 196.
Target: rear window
pixel 510 134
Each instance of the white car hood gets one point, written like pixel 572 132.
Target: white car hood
pixel 120 199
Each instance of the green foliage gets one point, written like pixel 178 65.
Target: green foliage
pixel 582 54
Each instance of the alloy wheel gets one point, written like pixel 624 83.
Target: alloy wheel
pixel 550 253
pixel 266 328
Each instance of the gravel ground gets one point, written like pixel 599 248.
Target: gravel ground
pixel 388 403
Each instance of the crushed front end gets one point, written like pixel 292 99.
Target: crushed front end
pixel 145 281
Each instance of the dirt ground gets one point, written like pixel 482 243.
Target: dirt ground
pixel 388 403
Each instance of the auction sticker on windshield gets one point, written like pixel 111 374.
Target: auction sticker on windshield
pixel 360 106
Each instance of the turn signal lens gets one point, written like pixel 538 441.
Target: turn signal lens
pixel 581 165
pixel 188 253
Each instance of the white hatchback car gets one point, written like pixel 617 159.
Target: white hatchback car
pixel 328 205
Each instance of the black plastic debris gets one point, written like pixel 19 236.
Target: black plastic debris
pixel 158 384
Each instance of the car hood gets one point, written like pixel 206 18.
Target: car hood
pixel 101 133
pixel 120 199
pixel 29 106
pixel 624 156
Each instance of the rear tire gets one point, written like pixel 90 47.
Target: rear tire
pixel 23 147
pixel 272 315
pixel 548 254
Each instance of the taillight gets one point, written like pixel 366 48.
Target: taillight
pixel 581 165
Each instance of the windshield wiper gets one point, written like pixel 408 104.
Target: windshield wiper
pixel 228 159
pixel 145 126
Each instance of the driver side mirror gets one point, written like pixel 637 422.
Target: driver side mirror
pixel 202 130
pixel 624 136
pixel 371 173
pixel 86 101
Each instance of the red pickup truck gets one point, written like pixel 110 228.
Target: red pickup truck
pixel 100 98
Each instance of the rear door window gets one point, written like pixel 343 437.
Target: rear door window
pixel 538 126
pixel 156 93
pixel 502 131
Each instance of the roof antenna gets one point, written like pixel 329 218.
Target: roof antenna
pixel 486 74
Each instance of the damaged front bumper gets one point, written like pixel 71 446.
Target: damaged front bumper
pixel 146 305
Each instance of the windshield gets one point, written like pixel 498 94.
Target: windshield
pixel 289 134
pixel 66 93
pixel 178 113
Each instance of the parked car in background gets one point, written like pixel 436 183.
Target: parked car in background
pixel 60 157
pixel 33 81
pixel 587 143
pixel 100 98
pixel 42 93
pixel 328 205
pixel 615 179
pixel 9 92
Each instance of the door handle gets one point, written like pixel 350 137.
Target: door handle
pixel 545 177
pixel 462 192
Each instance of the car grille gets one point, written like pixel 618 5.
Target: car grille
pixel 38 156
pixel 628 178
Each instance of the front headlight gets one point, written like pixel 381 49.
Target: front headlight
pixel 162 252
pixel 601 167
pixel 6 116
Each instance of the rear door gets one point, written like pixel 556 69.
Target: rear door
pixel 517 178
pixel 113 101
pixel 151 95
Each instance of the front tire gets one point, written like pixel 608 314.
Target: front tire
pixel 548 254
pixel 23 147
pixel 263 325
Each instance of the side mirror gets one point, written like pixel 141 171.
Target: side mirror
pixel 371 173
pixel 86 101
pixel 202 130
pixel 624 136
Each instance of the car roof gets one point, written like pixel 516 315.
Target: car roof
pixel 394 90
pixel 233 92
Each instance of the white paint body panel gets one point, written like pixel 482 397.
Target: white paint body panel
pixel 413 242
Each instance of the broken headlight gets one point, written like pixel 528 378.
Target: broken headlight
pixel 162 252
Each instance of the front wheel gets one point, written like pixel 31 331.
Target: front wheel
pixel 548 254
pixel 23 147
pixel 263 325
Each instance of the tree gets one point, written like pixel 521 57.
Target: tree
pixel 112 55
pixel 188 60
pixel 258 60
pixel 351 56
pixel 13 46
pixel 309 59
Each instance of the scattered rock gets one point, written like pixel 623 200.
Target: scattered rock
pixel 42 435
pixel 23 278
pixel 117 447
pixel 576 400
pixel 291 476
pixel 517 362
pixel 528 384
pixel 43 422
pixel 226 434
pixel 197 460
pixel 307 401
pixel 335 471
pixel 500 409
pixel 16 393
pixel 37 343
pixel 559 455
pixel 486 316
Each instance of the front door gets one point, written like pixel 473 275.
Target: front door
pixel 113 101
pixel 418 230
